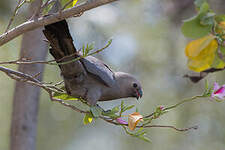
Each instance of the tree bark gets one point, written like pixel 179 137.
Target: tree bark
pixel 26 97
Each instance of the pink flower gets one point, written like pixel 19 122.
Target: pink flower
pixel 161 107
pixel 121 121
pixel 218 92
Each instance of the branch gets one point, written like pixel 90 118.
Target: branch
pixel 50 90
pixel 53 62
pixel 38 10
pixel 172 127
pixel 42 21
pixel 19 74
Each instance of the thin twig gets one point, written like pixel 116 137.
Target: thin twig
pixel 183 101
pixel 150 115
pixel 19 74
pixel 52 62
pixel 46 4
pixel 19 4
pixel 59 83
pixel 172 127
pixel 151 126
pixel 78 58
pixel 21 61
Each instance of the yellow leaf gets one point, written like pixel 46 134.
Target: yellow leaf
pixel 201 53
pixel 87 119
pixel 74 2
pixel 195 47
pixel 133 120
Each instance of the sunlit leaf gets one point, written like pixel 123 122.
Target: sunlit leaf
pixel 133 120
pixel 74 2
pixel 63 96
pixel 64 2
pixel 29 1
pixel 88 118
pixel 195 47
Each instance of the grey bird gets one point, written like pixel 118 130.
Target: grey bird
pixel 88 78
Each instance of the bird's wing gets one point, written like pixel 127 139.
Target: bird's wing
pixel 99 69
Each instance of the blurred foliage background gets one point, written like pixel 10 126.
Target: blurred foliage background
pixel 148 43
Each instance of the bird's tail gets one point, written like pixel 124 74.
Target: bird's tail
pixel 60 39
pixel 62 48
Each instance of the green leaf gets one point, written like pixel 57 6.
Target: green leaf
pixel 115 109
pixel 137 109
pixel 86 50
pixel 64 2
pixel 198 3
pixel 48 8
pixel 200 25
pixel 128 107
pixel 204 8
pixel 96 111
pixel 193 29
pixel 88 118
pixel 122 105
pixel 140 131
pixel 29 1
pixel 111 113
pixel 206 85
pixel 144 138
pixel 63 96
pixel 219 18
pixel 208 19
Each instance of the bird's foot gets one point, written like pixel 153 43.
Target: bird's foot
pixel 96 111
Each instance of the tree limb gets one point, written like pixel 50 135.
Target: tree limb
pixel 41 21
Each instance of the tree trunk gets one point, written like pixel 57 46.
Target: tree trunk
pixel 26 97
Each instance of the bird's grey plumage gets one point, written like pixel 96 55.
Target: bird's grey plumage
pixel 99 69
pixel 89 77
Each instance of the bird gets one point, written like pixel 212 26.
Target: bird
pixel 88 77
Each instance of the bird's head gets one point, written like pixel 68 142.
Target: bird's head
pixel 129 86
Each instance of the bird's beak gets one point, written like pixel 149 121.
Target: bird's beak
pixel 139 93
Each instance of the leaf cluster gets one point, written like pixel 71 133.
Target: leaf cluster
pixel 208 29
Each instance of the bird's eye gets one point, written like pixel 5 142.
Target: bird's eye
pixel 134 85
